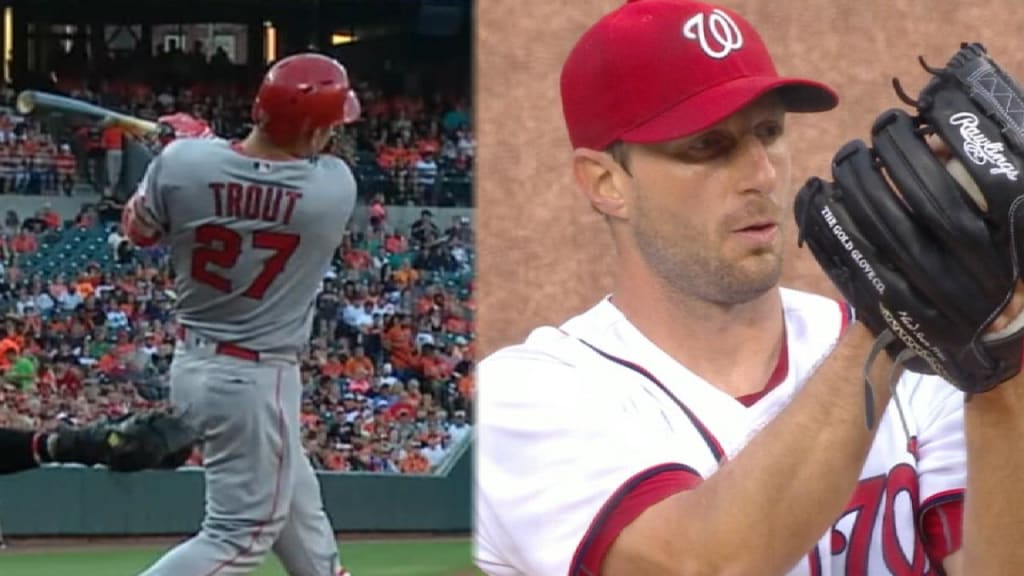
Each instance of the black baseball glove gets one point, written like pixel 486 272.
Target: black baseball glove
pixel 921 231
pixel 131 443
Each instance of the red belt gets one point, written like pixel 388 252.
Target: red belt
pixel 227 349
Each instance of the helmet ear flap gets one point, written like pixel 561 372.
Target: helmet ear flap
pixel 353 109
pixel 255 113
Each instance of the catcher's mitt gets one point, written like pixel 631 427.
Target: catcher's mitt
pixel 128 444
pixel 928 251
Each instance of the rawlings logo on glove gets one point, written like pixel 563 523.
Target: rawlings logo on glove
pixel 980 149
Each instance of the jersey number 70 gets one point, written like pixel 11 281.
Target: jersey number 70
pixel 221 246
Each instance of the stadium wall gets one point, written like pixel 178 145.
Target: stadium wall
pixel 83 502
pixel 400 217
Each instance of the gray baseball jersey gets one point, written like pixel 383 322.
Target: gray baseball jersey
pixel 251 239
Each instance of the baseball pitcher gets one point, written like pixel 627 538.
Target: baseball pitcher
pixel 702 418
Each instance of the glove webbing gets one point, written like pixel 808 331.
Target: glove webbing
pixel 999 93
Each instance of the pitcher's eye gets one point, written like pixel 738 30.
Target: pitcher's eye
pixel 708 146
pixel 769 131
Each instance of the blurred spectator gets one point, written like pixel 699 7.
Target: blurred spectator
pixel 24 242
pixel 20 370
pixel 378 214
pixel 112 140
pixel 424 231
pixel 426 179
pixel 67 173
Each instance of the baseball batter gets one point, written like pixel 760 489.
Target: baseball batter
pixel 251 227
pixel 701 419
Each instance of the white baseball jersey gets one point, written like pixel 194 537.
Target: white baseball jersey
pixel 583 427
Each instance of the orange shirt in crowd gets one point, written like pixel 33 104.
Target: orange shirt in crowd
pixel 403 277
pixel 52 219
pixel 6 344
pixel 357 363
pixel 424 305
pixel 456 325
pixel 125 348
pixel 24 243
pixel 58 326
pixel 357 259
pixel 399 340
pixel 334 461
pixel 466 386
pixel 332 369
pixel 414 463
pixel 428 145
pixel 387 159
pixel 107 363
pixel 85 289
pixel 310 420
pixel 113 138
pixel 395 244
pixel 434 367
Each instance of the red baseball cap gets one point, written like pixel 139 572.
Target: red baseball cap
pixel 656 70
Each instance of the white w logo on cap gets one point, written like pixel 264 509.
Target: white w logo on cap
pixel 719 27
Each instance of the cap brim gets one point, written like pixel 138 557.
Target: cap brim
pixel 710 107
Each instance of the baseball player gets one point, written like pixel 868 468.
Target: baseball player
pixel 135 442
pixel 701 419
pixel 251 226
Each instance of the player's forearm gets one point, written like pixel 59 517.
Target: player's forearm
pixel 787 487
pixel 138 228
pixel 994 504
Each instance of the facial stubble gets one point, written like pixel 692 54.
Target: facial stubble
pixel 696 262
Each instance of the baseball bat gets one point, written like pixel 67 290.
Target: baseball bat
pixel 32 101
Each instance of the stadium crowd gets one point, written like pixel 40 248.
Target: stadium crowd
pixel 410 150
pixel 388 375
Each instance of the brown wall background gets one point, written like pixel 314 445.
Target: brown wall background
pixel 543 255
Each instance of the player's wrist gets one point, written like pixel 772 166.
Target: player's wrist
pixel 1006 399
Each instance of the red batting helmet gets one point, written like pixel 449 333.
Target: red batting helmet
pixel 301 93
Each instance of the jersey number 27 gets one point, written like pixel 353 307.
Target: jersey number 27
pixel 221 246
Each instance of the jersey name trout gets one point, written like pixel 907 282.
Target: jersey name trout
pixel 254 202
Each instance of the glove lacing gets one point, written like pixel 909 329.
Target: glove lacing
pixel 883 340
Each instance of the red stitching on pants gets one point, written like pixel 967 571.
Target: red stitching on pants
pixel 277 486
